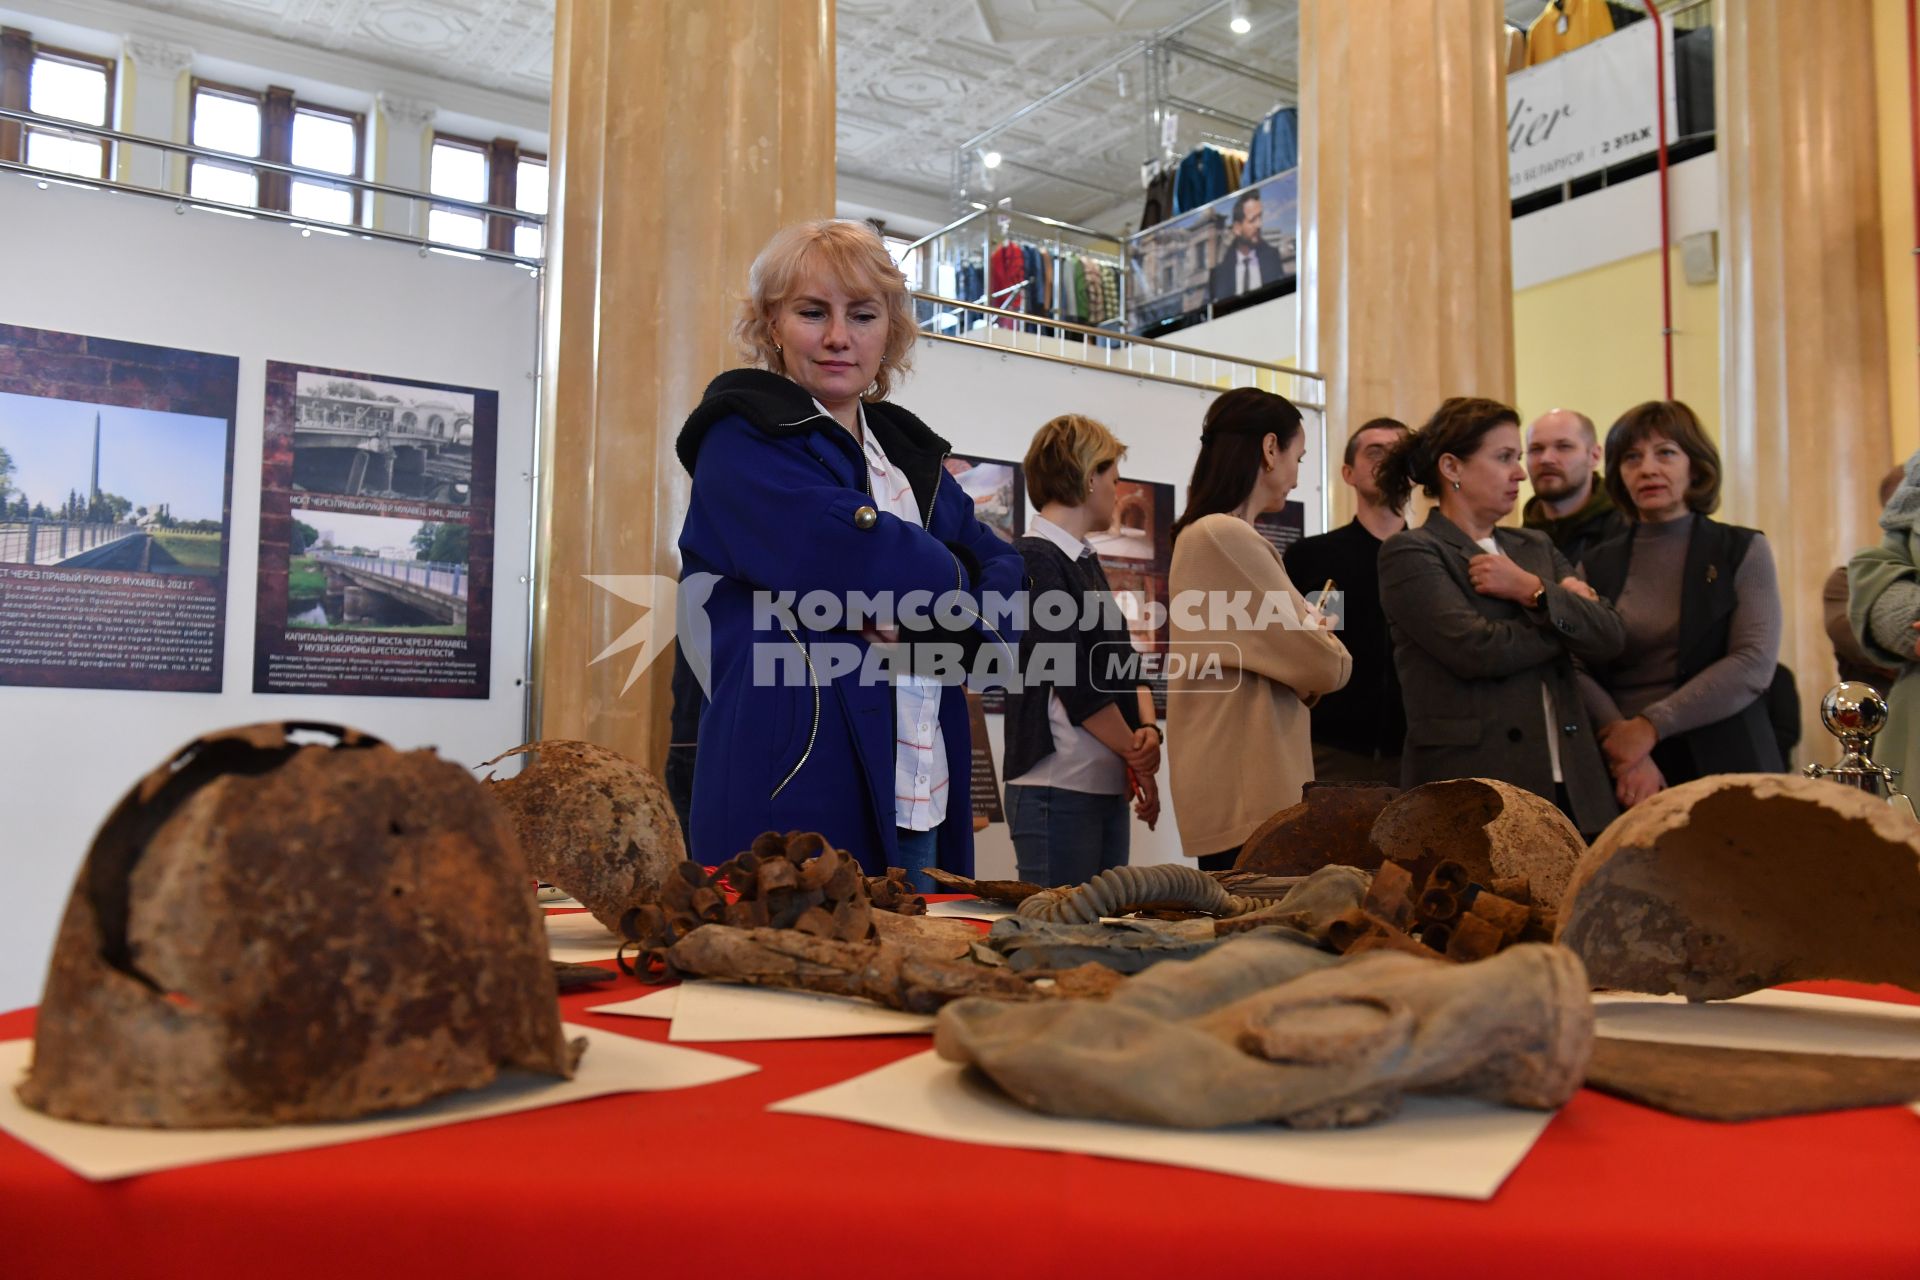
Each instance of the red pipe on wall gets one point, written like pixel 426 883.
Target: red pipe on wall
pixel 1666 233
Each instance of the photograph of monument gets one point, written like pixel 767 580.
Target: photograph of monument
pixel 101 486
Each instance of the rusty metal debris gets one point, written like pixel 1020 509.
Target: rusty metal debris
pixel 1331 826
pixel 792 881
pixel 1732 883
pixel 1263 1029
pixel 592 822
pixel 1010 892
pixel 1119 890
pixel 268 930
pixel 885 972
pixel 1712 1083
pixel 1493 829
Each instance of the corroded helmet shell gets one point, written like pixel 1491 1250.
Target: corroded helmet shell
pixel 268 932
pixel 592 822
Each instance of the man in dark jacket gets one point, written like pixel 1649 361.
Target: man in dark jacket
pixel 1358 731
pixel 1250 262
pixel 1570 504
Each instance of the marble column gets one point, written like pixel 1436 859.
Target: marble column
pixel 685 132
pixel 1406 291
pixel 402 144
pixel 1805 419
pixel 152 72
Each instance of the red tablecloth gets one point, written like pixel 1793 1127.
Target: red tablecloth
pixel 707 1182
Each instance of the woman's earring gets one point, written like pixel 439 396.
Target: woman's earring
pixel 1456 486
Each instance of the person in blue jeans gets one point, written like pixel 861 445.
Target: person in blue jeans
pixel 1083 718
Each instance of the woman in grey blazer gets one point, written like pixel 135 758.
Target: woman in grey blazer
pixel 1487 621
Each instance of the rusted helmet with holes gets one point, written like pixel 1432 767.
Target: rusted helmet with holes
pixel 592 822
pixel 270 929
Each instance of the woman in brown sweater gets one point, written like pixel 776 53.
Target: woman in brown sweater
pixel 1256 654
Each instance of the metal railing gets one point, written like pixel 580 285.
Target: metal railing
pixel 441 579
pixel 420 202
pixel 35 541
pixel 1017 332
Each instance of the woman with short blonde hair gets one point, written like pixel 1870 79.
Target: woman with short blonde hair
pixel 1072 738
pixel 809 483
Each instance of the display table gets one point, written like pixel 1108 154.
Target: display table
pixel 706 1182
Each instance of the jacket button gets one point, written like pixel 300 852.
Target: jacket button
pixel 1570 729
pixel 865 518
pixel 1564 625
pixel 1513 735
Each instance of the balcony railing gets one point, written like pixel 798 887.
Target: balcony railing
pixel 420 201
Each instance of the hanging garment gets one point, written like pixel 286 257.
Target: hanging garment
pixel 1159 205
pixel 1235 163
pixel 1008 268
pixel 1036 280
pixel 1200 180
pixel 1564 25
pixel 1275 146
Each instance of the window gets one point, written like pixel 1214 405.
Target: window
pixel 496 173
pixel 72 86
pixel 275 127
pixel 225 120
pixel 530 196
pixel 328 140
pixel 459 172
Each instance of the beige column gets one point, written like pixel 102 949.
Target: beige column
pixel 1407 283
pixel 1805 431
pixel 685 132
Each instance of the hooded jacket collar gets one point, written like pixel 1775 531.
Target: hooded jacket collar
pixel 780 407
pixel 1599 505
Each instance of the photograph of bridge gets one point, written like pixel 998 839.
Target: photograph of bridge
pixel 377 573
pixel 102 486
pixel 369 438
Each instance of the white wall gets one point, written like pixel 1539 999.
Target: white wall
pixel 1614 223
pixel 989 404
pixel 130 267
pixel 1267 331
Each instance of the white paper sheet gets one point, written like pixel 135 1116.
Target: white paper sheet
pixel 969 909
pixel 707 1012
pixel 1774 1021
pixel 579 938
pixel 655 1004
pixel 1435 1146
pixel 613 1064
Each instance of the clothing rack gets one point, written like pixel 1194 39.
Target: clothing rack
pixel 1021 262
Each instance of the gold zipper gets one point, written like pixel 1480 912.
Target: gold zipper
pixel 813 682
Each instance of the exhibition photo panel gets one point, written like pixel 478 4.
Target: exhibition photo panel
pixel 116 484
pixel 376 536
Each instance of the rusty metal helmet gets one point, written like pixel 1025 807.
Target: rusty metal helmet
pixel 269 931
pixel 592 822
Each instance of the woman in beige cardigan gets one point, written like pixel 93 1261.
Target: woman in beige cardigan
pixel 1255 654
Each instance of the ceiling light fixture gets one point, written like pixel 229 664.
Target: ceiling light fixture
pixel 1239 24
pixel 991 159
